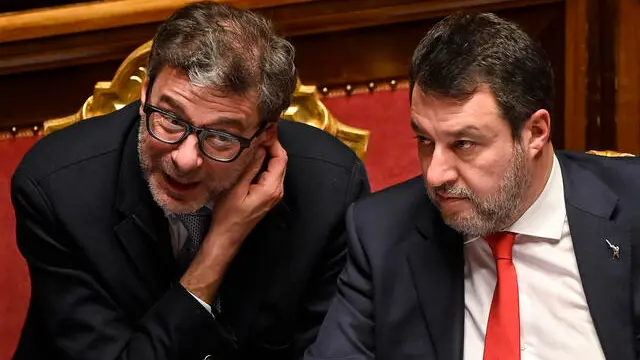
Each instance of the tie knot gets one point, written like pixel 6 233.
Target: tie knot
pixel 501 244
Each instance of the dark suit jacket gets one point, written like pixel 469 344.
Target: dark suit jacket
pixel 401 295
pixel 104 284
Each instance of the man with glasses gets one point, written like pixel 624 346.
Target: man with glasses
pixel 168 229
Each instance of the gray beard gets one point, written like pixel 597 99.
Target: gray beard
pixel 145 167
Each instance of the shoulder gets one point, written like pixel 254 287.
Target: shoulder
pixel 383 224
pixel 320 169
pixel 311 145
pixel 609 169
pixel 391 211
pixel 393 201
pixel 85 140
pixel 594 177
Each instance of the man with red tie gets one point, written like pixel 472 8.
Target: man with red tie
pixel 504 249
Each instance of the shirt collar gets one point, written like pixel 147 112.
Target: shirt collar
pixel 545 217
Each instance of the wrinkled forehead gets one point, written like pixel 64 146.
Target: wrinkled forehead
pixel 200 105
pixel 479 112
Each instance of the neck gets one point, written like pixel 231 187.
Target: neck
pixel 540 172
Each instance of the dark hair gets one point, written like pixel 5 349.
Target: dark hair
pixel 230 50
pixel 465 51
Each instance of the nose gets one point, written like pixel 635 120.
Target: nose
pixel 439 168
pixel 187 157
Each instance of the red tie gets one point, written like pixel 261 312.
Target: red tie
pixel 502 341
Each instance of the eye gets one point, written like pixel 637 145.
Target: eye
pixel 172 122
pixel 166 123
pixel 463 144
pixel 219 140
pixel 423 141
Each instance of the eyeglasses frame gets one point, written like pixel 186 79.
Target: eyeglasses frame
pixel 201 133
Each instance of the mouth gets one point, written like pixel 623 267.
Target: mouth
pixel 179 186
pixel 449 199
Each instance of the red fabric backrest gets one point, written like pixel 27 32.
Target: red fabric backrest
pixel 392 155
pixel 14 278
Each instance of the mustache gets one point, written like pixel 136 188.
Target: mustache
pixel 452 190
pixel 172 172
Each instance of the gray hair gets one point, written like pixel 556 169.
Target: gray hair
pixel 229 50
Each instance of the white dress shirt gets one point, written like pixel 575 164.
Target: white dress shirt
pixel 555 322
pixel 179 235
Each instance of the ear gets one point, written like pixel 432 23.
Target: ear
pixel 271 133
pixel 537 132
pixel 143 94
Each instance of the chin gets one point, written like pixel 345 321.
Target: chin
pixel 456 210
pixel 172 203
pixel 173 207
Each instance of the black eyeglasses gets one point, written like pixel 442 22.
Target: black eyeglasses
pixel 217 145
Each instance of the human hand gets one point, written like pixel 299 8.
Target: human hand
pixel 238 211
pixel 235 214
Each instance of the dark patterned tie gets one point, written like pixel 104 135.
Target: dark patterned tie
pixel 197 225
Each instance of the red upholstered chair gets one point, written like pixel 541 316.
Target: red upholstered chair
pixel 14 278
pixel 392 156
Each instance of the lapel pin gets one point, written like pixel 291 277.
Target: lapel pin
pixel 615 249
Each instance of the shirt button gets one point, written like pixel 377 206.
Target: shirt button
pixel 523 348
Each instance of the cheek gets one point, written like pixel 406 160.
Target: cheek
pixel 483 178
pixel 220 174
pixel 481 184
pixel 154 153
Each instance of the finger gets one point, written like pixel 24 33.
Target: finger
pixel 273 176
pixel 277 165
pixel 252 170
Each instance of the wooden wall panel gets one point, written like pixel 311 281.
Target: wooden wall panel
pixel 14 5
pixel 576 57
pixel 384 52
pixel 628 77
pixel 30 98
pixel 338 42
pixel 600 87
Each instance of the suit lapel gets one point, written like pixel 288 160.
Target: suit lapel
pixel 143 230
pixel 436 261
pixel 251 272
pixel 606 279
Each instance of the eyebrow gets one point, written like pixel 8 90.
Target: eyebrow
pixel 221 121
pixel 416 127
pixel 466 131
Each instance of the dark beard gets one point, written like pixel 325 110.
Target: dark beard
pixel 497 211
